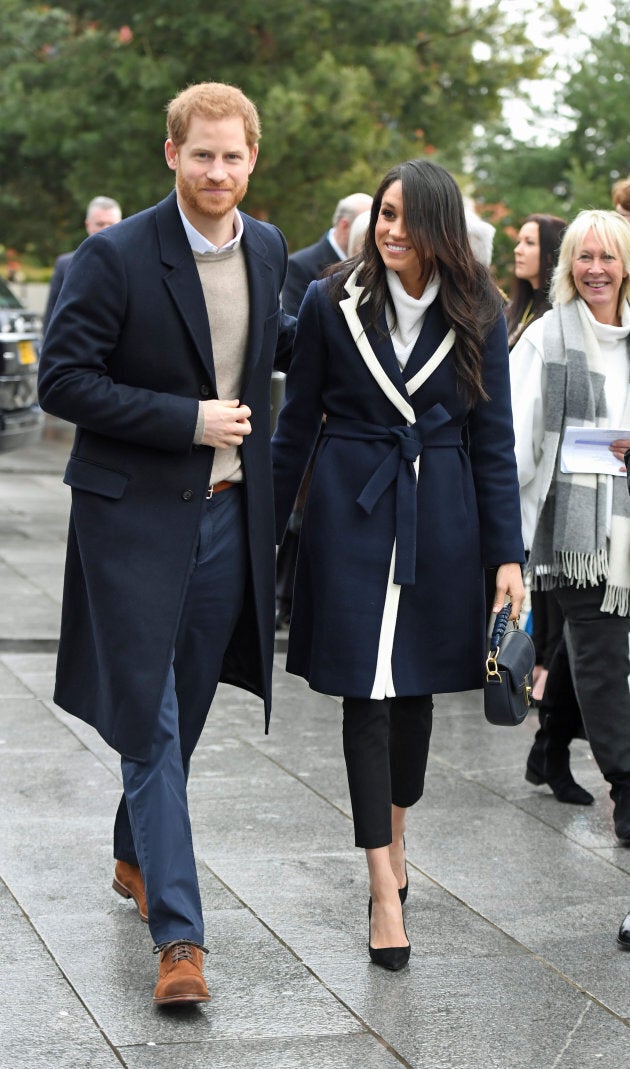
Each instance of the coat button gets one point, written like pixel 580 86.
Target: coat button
pixel 188 495
pixel 204 390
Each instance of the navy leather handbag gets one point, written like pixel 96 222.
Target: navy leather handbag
pixel 507 685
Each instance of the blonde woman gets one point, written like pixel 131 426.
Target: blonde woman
pixel 572 368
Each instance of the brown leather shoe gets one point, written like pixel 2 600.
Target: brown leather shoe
pixel 128 882
pixel 180 976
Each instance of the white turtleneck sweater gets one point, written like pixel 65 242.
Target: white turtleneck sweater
pixel 528 382
pixel 410 313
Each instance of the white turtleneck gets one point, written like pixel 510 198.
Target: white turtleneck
pixel 410 313
pixel 613 347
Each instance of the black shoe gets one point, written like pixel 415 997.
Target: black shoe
pixel 404 891
pixel 555 772
pixel 623 937
pixel 621 813
pixel 392 958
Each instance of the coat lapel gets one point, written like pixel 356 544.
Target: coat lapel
pixel 349 306
pixel 182 279
pixel 432 346
pixel 399 387
pixel 259 278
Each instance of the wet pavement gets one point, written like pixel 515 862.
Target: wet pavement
pixel 513 909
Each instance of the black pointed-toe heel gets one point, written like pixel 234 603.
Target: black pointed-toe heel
pixel 392 958
pixel 404 891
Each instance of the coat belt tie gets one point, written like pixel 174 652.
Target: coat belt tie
pixel 408 443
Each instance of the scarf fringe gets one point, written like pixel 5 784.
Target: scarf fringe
pixel 584 568
pixel 617 600
pixel 568 566
pixel 580 570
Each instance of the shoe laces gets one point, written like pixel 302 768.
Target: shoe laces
pixel 181 949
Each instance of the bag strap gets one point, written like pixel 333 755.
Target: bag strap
pixel 498 631
pixel 500 624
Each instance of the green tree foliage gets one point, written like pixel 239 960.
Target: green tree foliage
pixel 345 89
pixel 597 97
pixel 512 179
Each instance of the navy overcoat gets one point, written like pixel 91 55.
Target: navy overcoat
pixel 412 493
pixel 127 357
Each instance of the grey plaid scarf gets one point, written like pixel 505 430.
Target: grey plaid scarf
pixel 570 544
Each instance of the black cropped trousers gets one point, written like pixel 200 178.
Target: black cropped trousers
pixel 386 746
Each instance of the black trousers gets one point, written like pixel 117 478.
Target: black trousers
pixel 386 745
pixel 547 624
pixel 596 645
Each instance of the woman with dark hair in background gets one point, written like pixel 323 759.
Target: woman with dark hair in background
pixel 403 347
pixel 535 256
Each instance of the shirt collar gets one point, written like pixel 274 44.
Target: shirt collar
pixel 199 243
pixel 330 235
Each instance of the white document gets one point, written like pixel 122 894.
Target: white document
pixel 585 449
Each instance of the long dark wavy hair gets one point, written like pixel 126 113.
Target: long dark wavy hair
pixel 436 227
pixel 526 303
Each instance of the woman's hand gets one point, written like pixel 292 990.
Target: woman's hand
pixel 618 448
pixel 509 587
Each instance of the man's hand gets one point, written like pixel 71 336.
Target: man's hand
pixel 226 423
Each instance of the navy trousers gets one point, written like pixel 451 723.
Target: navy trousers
pixel 152 827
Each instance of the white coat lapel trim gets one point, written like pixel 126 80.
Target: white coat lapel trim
pixel 443 348
pixel 349 306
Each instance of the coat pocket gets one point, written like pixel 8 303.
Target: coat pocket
pixel 96 479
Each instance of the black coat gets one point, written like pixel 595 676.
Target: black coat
pixel 127 357
pixel 304 267
pixel 401 516
pixel 62 263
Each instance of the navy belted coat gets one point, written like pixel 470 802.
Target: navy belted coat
pixel 127 358
pixel 412 493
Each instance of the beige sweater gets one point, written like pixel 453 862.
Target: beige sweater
pixel 225 288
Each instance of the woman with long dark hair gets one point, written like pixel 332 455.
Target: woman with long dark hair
pixel 535 256
pixel 404 349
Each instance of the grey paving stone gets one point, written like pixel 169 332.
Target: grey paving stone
pixel 618 855
pixel 43 1024
pixel 258 988
pixel 498 858
pixel 335 1052
pixel 38 676
pixel 26 725
pixel 85 733
pixel 318 906
pixel 472 1013
pixel 62 790
pixel 239 797
pixel 11 686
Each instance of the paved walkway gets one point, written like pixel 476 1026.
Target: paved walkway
pixel 514 899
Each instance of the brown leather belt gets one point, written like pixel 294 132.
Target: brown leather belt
pixel 216 488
